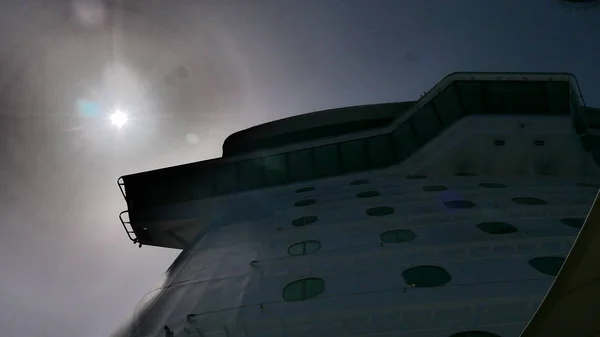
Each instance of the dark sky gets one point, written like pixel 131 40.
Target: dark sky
pixel 66 267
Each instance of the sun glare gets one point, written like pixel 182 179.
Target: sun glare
pixel 118 118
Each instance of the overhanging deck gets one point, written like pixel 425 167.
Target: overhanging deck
pixel 455 97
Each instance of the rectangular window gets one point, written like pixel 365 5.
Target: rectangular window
pixel 425 123
pixel 301 165
pixel 327 160
pixel 275 169
pixel 515 97
pixel 472 97
pixel 250 174
pixel 405 140
pixel 381 151
pixel 558 97
pixel 226 178
pixel 447 106
pixel 354 155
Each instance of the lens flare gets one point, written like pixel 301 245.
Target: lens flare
pixel 118 118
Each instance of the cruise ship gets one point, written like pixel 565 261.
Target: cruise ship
pixel 451 215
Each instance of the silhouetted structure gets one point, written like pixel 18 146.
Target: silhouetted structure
pixel 448 216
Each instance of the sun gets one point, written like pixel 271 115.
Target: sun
pixel 118 118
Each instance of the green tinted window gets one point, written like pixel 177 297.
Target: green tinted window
pixel 303 289
pixel 226 177
pixel 305 202
pixel 434 188
pixel 305 220
pixel 474 333
pixel 397 235
pixel 367 194
pixel 448 105
pixel 380 150
pixel 380 211
pixel 250 174
pixel 426 276
pixel 301 165
pixel 459 204
pixel 327 160
pixel 528 201
pixel 425 123
pixel 275 170
pixel 548 265
pixel 305 189
pixel 304 247
pixel 497 228
pixel 573 222
pixel 354 155
pixel 492 185
pixel 405 141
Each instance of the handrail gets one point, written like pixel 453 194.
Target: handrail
pixel 129 231
pixel 121 184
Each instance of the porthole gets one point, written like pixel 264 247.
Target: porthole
pixel 465 174
pixel 367 194
pixel 492 185
pixel 426 276
pixel 305 220
pixel 304 289
pixel 539 143
pixel 499 142
pixel 305 202
pixel 459 204
pixel 589 185
pixel 497 228
pixel 528 201
pixel 573 222
pixel 474 333
pixel 304 247
pixel 305 189
pixel 380 211
pixel 434 188
pixel 547 265
pixel 416 176
pixel 397 235
pixel 359 182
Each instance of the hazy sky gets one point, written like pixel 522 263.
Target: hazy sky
pixel 66 266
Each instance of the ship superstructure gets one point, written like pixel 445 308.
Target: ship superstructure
pixel 446 216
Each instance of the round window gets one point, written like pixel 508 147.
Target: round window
pixel 305 189
pixel 547 265
pixel 474 333
pixel 380 211
pixel 465 174
pixel 492 185
pixel 397 235
pixel 589 185
pixel 573 222
pixel 304 289
pixel 305 220
pixel 304 247
pixel 426 276
pixel 459 204
pixel 528 201
pixel 367 194
pixel 434 188
pixel 305 202
pixel 497 228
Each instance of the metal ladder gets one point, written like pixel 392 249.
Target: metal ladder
pixel 127 223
